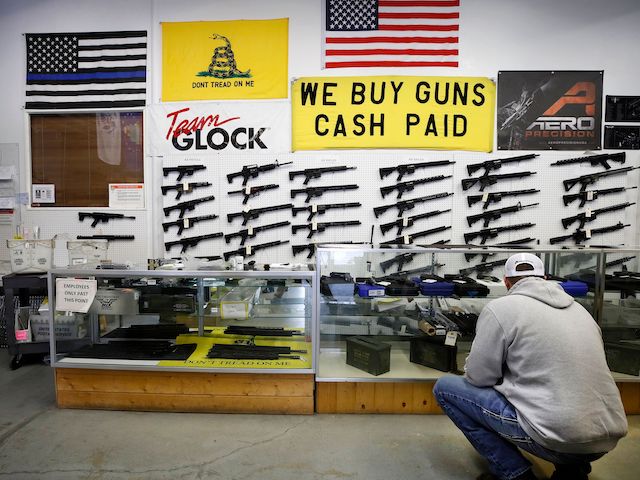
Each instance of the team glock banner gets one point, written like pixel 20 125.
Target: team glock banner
pixel 403 112
pixel 229 127
pixel 549 110
pixel 236 59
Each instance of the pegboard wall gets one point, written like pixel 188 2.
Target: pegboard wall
pixel 546 215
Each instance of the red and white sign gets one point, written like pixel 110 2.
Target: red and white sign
pixel 126 195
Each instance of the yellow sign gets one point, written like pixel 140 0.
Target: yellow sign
pixel 445 113
pixel 236 59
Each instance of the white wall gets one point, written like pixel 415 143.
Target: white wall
pixel 495 35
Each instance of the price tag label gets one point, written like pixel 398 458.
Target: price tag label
pixel 588 233
pixel 250 230
pixel 247 190
pixel 186 223
pixel 186 187
pixel 485 197
pixel 314 226
pixel 587 214
pixel 314 208
pixel 403 329
pixel 406 240
pixel 405 221
pixel 247 251
pixel 589 195
pixel 246 209
pixel 451 339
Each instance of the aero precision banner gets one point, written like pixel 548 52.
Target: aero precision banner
pixel 237 59
pixel 445 113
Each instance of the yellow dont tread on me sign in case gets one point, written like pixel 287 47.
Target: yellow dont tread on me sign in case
pixel 402 112
pixel 225 60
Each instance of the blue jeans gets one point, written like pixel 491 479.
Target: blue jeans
pixel 490 423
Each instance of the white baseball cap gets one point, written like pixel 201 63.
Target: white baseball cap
pixel 510 267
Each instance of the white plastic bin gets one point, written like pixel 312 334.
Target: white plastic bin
pixel 87 252
pixel 30 256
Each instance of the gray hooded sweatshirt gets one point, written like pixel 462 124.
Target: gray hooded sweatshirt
pixel 544 353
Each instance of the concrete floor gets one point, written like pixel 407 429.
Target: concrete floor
pixel 39 441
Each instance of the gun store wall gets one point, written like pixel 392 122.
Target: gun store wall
pixel 258 195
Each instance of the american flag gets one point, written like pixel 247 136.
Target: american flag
pixel 391 33
pixel 86 70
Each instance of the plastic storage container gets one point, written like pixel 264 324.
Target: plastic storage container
pixel 87 252
pixel 30 256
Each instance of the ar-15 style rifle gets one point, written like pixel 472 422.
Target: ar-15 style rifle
pixel 483 267
pixel 182 170
pixel 189 242
pixel 590 216
pixel 495 197
pixel 253 191
pixel 589 195
pixel 189 205
pixel 311 192
pixel 409 186
pixel 251 232
pixel 486 233
pixel 252 352
pixel 405 205
pixel 181 188
pixel 407 168
pixel 487 180
pixel 187 223
pixel 520 243
pixel 490 165
pixel 310 173
pixel 261 331
pixel 400 260
pixel 301 248
pixel 250 214
pixel 580 236
pixel 406 222
pixel 602 159
pixel 250 250
pixel 321 209
pixel 101 217
pixel 322 226
pixel 111 238
pixel 592 178
pixel 491 215
pixel 252 171
pixel 407 239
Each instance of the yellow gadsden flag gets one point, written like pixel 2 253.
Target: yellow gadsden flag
pixel 227 60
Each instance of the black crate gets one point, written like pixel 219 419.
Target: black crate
pixel 369 355
pixel 623 357
pixel 432 352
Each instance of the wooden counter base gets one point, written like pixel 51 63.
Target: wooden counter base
pixel 184 391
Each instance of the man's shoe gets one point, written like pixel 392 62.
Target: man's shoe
pixel 571 472
pixel 487 476
pixel 528 475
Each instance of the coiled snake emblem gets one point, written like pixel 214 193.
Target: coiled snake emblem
pixel 223 63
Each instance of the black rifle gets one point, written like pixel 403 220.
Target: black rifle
pixel 405 205
pixel 487 180
pixel 495 197
pixel 310 173
pixel 190 205
pixel 101 217
pixel 249 251
pixel 589 195
pixel 408 273
pixel 250 214
pixel 111 238
pixel 322 226
pixel 520 243
pixel 489 215
pixel 261 331
pixel 483 267
pixel 252 347
pixel 190 241
pixel 490 165
pixel 577 258
pixel 301 248
pixel 580 236
pixel 180 188
pixel 406 222
pixel 486 233
pixel 252 171
pixel 320 209
pixel 400 260
pixel 187 223
pixel 411 168
pixel 311 192
pixel 182 170
pixel 253 191
pixel 592 178
pixel 602 159
pixel 252 231
pixel 586 217
pixel 409 186
pixel 406 239
pixel 252 352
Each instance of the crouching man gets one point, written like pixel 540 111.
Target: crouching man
pixel 536 379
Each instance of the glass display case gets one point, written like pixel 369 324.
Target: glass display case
pixel 247 321
pixel 409 314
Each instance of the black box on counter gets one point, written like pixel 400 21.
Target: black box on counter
pixel 432 352
pixel 623 357
pixel 164 303
pixel 369 355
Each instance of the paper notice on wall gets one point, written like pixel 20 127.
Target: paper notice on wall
pixel 75 294
pixel 43 193
pixel 126 195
